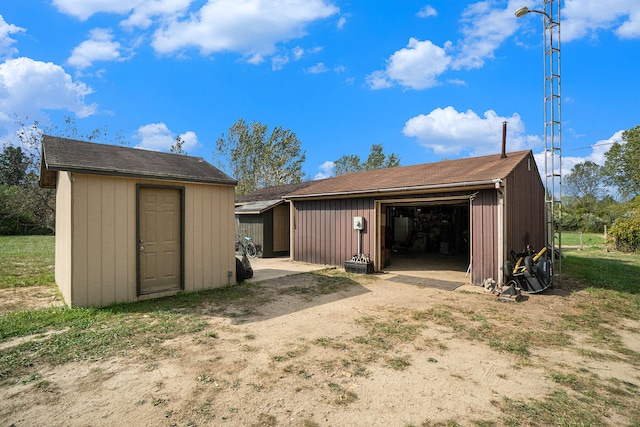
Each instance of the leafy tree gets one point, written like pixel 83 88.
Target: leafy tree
pixel 25 208
pixel 258 159
pixel 584 180
pixel 14 164
pixel 177 147
pixel 622 164
pixel 376 160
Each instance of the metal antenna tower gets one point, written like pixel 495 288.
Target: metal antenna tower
pixel 553 136
pixel 552 132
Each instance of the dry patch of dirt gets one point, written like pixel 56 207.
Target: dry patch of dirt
pixel 15 299
pixel 374 354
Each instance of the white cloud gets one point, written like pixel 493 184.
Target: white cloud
pixel 417 66
pixel 484 29
pixel 27 86
pixel 427 12
pixel 99 47
pixel 158 137
pixel 83 9
pixel 279 61
pixel 326 170
pixel 319 68
pixel 142 14
pixel 599 148
pixel 250 27
pixel 447 131
pixel 297 53
pixel 582 18
pixel 342 21
pixel 6 42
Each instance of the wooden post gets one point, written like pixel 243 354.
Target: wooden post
pixel 581 240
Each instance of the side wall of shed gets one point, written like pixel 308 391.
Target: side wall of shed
pixel 524 207
pixel 63 258
pixel 104 247
pixel 209 236
pixel 254 226
pixel 323 230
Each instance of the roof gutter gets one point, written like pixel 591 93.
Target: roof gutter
pixel 495 183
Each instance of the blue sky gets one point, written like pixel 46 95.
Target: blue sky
pixel 427 79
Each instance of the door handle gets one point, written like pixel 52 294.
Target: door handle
pixel 141 248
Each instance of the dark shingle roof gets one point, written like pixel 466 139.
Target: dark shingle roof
pixel 273 193
pixel 467 172
pixel 61 154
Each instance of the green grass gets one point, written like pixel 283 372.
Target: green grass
pixel 588 239
pixel 26 261
pixel 597 268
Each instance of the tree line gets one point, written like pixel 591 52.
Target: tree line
pixel 254 155
pixel 259 157
pixel 589 204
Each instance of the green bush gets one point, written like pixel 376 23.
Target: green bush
pixel 625 231
pixel 591 223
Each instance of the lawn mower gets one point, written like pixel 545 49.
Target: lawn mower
pixel 531 272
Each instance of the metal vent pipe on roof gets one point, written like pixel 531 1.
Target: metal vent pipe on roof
pixel 504 140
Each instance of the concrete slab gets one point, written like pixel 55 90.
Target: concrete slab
pixel 272 268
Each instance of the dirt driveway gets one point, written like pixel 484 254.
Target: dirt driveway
pixel 373 353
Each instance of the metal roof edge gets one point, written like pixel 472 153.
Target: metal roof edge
pixel 381 191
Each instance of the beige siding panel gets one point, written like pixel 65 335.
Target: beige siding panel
pixel 63 236
pixel 189 235
pixel 80 241
pixel 209 255
pixel 96 247
pixel 281 228
pixel 125 244
pixel 94 240
pixel 108 238
pixel 196 217
pixel 216 251
pixel 208 268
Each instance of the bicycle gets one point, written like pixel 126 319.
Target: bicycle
pixel 248 247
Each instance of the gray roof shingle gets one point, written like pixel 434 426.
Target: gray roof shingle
pixel 61 154
pixel 273 193
pixel 449 173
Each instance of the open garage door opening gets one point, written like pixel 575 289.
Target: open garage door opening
pixel 430 239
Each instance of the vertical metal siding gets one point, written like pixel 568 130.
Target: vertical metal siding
pixel 484 236
pixel 524 207
pixel 252 226
pixel 324 230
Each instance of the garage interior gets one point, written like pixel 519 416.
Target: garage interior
pixel 428 239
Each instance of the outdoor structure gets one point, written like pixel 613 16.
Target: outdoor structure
pixel 477 209
pixel 135 224
pixel 264 216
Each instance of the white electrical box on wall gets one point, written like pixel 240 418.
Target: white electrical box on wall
pixel 358 223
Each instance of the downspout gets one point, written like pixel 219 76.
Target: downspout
pixel 500 232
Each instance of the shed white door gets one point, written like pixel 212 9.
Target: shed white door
pixel 159 239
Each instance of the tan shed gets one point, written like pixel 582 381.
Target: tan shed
pixel 134 224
